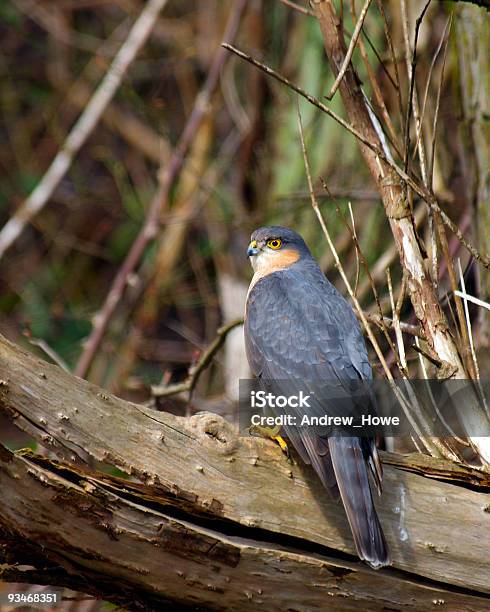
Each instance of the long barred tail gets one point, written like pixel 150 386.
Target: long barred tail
pixel 350 467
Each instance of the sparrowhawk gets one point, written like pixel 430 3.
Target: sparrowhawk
pixel 298 326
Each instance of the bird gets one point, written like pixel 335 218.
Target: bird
pixel 297 325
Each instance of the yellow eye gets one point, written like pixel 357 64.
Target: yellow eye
pixel 274 244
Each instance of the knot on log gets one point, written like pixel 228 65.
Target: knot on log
pixel 214 432
pixel 398 206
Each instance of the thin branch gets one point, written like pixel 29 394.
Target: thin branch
pixel 150 227
pixel 401 297
pixel 435 407
pixel 438 101
pixel 419 190
pixel 360 257
pixel 407 328
pixel 444 39
pixel 379 58
pixel 354 233
pixel 350 50
pixel 468 322
pixel 84 126
pixel 349 194
pixel 50 352
pixel 401 358
pixel 441 234
pixel 196 370
pixel 393 60
pixel 473 352
pixel 431 443
pixel 298 8
pixel 429 356
pixel 473 299
pixel 411 77
pixel 376 87
pixel 482 259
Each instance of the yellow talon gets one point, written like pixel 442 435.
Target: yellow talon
pixel 282 444
pixel 273 434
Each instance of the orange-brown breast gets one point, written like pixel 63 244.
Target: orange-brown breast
pixel 273 263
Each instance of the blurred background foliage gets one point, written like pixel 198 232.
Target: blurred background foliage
pixel 245 169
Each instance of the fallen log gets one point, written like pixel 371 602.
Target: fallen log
pixel 206 518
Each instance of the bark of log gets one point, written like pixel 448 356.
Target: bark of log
pixel 207 518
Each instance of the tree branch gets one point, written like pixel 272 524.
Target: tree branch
pixel 196 370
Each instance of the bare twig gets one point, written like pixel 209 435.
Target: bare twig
pixel 50 352
pixel 350 194
pixel 401 297
pixel 438 100
pixel 407 328
pixel 473 299
pixel 350 50
pixel 376 88
pixel 84 126
pixel 444 39
pixel 412 96
pixel 298 7
pixel 354 233
pixel 150 227
pixel 483 259
pixel 401 357
pixel 428 355
pixel 196 370
pixel 279 77
pixel 466 349
pixel 378 57
pixel 466 299
pixel 394 61
pixel 360 258
pixel 435 407
pixel 468 322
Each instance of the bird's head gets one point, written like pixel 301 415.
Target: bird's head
pixel 275 248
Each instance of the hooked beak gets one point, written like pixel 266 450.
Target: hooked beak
pixel 252 249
